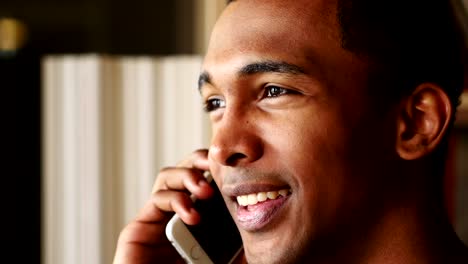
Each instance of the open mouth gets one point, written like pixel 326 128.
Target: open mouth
pixel 256 210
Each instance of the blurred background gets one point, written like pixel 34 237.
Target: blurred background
pixel 43 42
pixel 30 31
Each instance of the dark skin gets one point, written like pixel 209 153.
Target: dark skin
pixel 290 108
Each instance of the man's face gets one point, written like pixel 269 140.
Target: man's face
pixel 294 131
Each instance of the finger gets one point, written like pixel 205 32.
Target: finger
pixel 178 202
pixel 150 213
pixel 184 179
pixel 144 237
pixel 198 159
pixel 144 243
pixel 134 253
pixel 144 233
pixel 176 178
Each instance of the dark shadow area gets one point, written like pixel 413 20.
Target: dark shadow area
pixel 140 27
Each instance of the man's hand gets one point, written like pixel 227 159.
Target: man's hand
pixel 143 240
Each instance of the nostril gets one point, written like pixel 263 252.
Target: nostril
pixel 235 158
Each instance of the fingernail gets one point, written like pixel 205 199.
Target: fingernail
pixel 202 183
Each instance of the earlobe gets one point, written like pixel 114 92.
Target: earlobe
pixel 423 120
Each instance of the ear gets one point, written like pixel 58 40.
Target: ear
pixel 423 121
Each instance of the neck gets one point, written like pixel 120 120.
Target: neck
pixel 412 235
pixel 415 233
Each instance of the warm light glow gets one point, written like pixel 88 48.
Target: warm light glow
pixel 12 34
pixel 462 111
pixel 464 101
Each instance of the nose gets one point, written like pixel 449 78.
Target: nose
pixel 235 142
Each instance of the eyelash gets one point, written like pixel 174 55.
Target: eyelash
pixel 209 105
pixel 213 104
pixel 269 89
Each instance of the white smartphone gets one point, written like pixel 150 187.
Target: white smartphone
pixel 215 239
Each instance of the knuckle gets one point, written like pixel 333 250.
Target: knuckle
pixel 165 170
pixel 159 196
pixel 180 197
pixel 197 154
pixel 180 200
pixel 127 231
pixel 165 200
pixel 200 153
pixel 164 174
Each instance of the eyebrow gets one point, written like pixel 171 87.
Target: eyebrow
pixel 204 78
pixel 267 66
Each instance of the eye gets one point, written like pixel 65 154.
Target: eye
pixel 213 104
pixel 275 91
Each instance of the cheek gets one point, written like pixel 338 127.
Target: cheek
pixel 311 145
pixel 316 152
pixel 319 163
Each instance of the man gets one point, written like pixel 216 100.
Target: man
pixel 345 104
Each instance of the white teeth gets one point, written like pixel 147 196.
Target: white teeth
pixel 272 195
pixel 261 197
pixel 242 199
pixel 283 192
pixel 254 198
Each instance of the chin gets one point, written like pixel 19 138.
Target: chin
pixel 274 256
pixel 284 249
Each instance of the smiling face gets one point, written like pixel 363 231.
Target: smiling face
pixel 297 145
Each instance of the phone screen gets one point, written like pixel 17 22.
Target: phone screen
pixel 216 233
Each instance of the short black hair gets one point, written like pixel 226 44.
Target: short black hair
pixel 408 42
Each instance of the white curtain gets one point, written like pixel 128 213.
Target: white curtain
pixel 110 124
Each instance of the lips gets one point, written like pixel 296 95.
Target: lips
pixel 256 217
pixel 258 206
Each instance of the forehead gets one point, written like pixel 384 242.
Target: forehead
pixel 279 29
pixel 304 33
